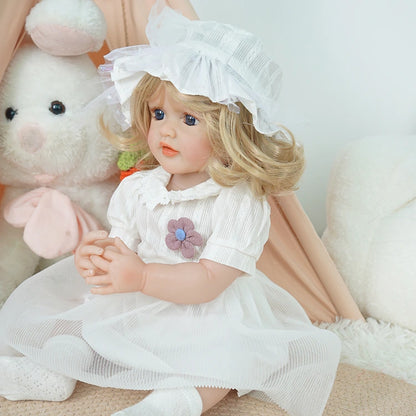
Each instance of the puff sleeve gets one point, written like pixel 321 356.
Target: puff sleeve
pixel 241 225
pixel 122 214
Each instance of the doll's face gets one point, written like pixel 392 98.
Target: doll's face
pixel 177 138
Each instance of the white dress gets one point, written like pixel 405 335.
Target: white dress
pixel 253 337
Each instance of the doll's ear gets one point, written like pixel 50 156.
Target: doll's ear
pixel 67 27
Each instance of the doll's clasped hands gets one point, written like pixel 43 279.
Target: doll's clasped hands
pixel 108 264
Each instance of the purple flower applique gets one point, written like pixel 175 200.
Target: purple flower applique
pixel 183 236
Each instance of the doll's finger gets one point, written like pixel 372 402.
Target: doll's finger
pixel 103 290
pixel 93 236
pixel 100 262
pixel 89 250
pixel 119 243
pixel 112 247
pixel 111 253
pixel 101 280
pixel 105 242
pixel 85 263
pixel 87 273
pixel 93 272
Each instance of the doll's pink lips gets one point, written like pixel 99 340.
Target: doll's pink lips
pixel 167 150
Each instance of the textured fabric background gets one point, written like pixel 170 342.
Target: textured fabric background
pixel 356 392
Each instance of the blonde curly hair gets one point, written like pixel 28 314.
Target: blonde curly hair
pixel 240 153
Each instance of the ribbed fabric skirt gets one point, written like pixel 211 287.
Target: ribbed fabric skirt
pixel 254 337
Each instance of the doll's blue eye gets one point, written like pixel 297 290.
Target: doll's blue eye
pixel 159 114
pixel 10 113
pixel 190 120
pixel 57 107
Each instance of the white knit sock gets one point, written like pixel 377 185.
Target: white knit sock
pixel 172 402
pixel 22 379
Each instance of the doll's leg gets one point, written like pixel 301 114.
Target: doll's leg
pixel 210 396
pixel 22 379
pixel 178 402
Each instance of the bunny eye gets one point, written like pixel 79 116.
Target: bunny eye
pixel 57 107
pixel 10 113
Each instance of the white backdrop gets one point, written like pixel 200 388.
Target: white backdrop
pixel 349 69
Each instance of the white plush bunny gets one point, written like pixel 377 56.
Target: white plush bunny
pixel 58 169
pixel 371 232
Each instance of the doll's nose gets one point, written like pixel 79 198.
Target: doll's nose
pixel 31 137
pixel 168 130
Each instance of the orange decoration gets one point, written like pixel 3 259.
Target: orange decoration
pixel 125 173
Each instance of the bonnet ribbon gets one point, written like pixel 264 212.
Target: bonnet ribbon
pixel 53 224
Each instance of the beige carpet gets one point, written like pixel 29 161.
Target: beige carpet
pixel 356 392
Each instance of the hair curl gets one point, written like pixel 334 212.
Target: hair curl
pixel 239 152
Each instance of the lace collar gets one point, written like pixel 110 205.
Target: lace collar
pixel 153 192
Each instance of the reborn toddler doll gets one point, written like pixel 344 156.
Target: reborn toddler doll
pixel 171 299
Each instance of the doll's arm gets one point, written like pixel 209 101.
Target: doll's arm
pixel 124 271
pixel 188 282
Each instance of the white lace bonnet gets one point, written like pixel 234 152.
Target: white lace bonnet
pixel 207 58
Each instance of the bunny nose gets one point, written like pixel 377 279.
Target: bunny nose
pixel 31 137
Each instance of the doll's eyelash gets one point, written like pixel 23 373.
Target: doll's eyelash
pixel 157 112
pixel 155 107
pixel 190 119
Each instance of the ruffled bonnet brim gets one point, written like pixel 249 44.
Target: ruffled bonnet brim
pixel 211 59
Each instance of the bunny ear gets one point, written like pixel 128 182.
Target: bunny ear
pixel 67 27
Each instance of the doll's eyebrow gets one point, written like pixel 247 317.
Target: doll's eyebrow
pixel 192 114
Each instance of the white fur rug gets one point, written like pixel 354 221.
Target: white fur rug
pixel 378 346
